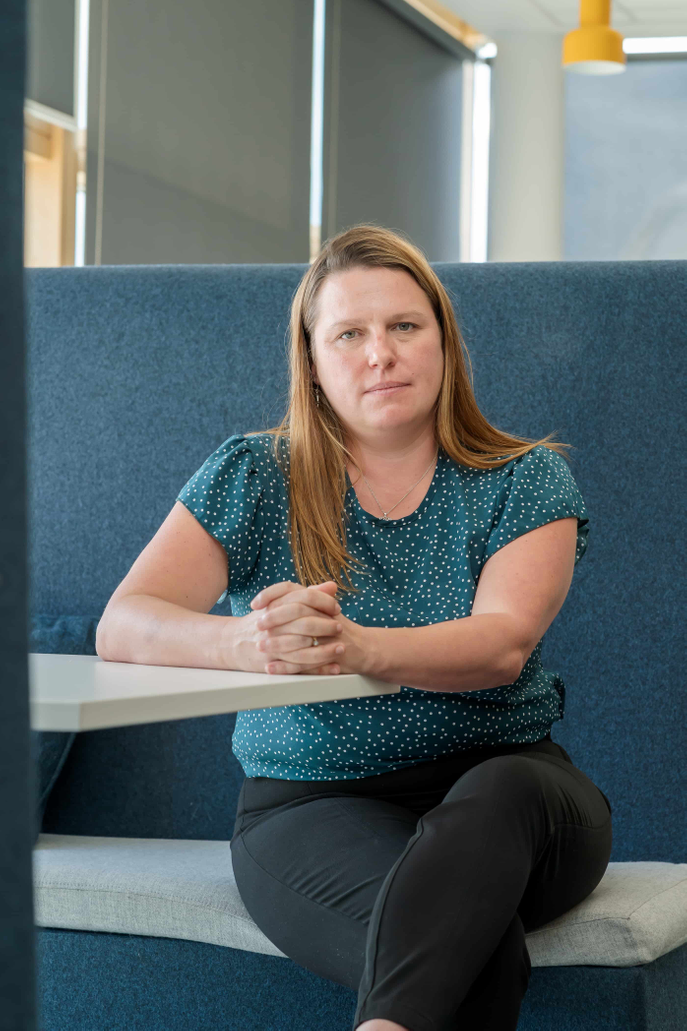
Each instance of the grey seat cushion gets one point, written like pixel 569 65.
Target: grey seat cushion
pixel 186 889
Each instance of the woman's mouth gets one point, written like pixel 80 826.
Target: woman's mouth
pixel 388 390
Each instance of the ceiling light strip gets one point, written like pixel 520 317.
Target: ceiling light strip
pixel 655 45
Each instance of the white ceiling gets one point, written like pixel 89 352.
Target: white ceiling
pixel 629 17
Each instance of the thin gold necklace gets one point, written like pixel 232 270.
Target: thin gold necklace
pixel 386 514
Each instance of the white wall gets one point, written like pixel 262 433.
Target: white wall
pixel 526 169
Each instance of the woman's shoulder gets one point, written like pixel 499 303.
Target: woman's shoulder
pixel 261 447
pixel 259 443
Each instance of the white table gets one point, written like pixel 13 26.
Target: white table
pixel 83 692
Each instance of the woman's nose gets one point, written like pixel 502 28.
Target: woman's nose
pixel 380 342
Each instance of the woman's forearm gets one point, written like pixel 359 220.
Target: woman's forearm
pixel 468 654
pixel 149 630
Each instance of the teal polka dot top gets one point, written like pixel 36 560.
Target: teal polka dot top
pixel 422 568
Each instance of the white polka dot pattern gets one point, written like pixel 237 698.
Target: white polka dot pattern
pixel 420 569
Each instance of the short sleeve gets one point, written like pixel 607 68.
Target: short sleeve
pixel 538 488
pixel 224 496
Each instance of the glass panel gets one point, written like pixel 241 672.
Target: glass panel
pixel 626 163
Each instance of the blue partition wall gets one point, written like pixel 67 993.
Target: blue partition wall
pixel 17 962
pixel 135 375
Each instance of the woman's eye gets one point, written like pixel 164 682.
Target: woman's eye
pixel 355 330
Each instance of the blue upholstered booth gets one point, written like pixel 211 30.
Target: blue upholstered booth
pixel 135 376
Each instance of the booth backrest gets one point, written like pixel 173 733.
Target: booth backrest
pixel 137 373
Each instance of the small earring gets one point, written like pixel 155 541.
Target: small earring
pixel 317 394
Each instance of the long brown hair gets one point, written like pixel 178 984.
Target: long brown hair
pixel 315 468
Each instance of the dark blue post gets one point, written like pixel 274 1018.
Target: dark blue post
pixel 17 952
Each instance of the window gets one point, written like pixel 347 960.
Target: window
pixel 626 163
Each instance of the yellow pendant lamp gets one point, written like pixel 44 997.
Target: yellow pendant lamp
pixel 595 48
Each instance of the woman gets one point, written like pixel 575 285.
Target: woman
pixel 400 844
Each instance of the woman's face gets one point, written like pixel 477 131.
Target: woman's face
pixel 375 325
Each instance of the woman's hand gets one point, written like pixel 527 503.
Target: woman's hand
pixel 311 612
pixel 288 616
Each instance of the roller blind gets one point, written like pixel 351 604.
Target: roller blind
pixel 205 124
pixel 392 127
pixel 50 53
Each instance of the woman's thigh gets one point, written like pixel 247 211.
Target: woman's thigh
pixel 309 871
pixel 575 843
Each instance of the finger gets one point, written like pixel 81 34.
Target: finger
pixel 272 592
pixel 292 647
pixel 276 591
pixel 322 600
pixel 301 603
pixel 300 649
pixel 281 666
pixel 308 656
pixel 299 620
pixel 330 669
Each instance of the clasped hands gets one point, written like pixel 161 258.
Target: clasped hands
pixel 288 616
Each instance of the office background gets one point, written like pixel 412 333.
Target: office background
pixel 213 161
pixel 227 132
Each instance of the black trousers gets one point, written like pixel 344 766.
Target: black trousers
pixel 416 887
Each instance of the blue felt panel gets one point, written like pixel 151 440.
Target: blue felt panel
pixel 61 635
pixel 49 750
pixel 169 792
pixel 17 959
pixel 128 982
pixel 137 374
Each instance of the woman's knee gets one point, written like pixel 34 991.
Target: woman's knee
pixel 504 780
